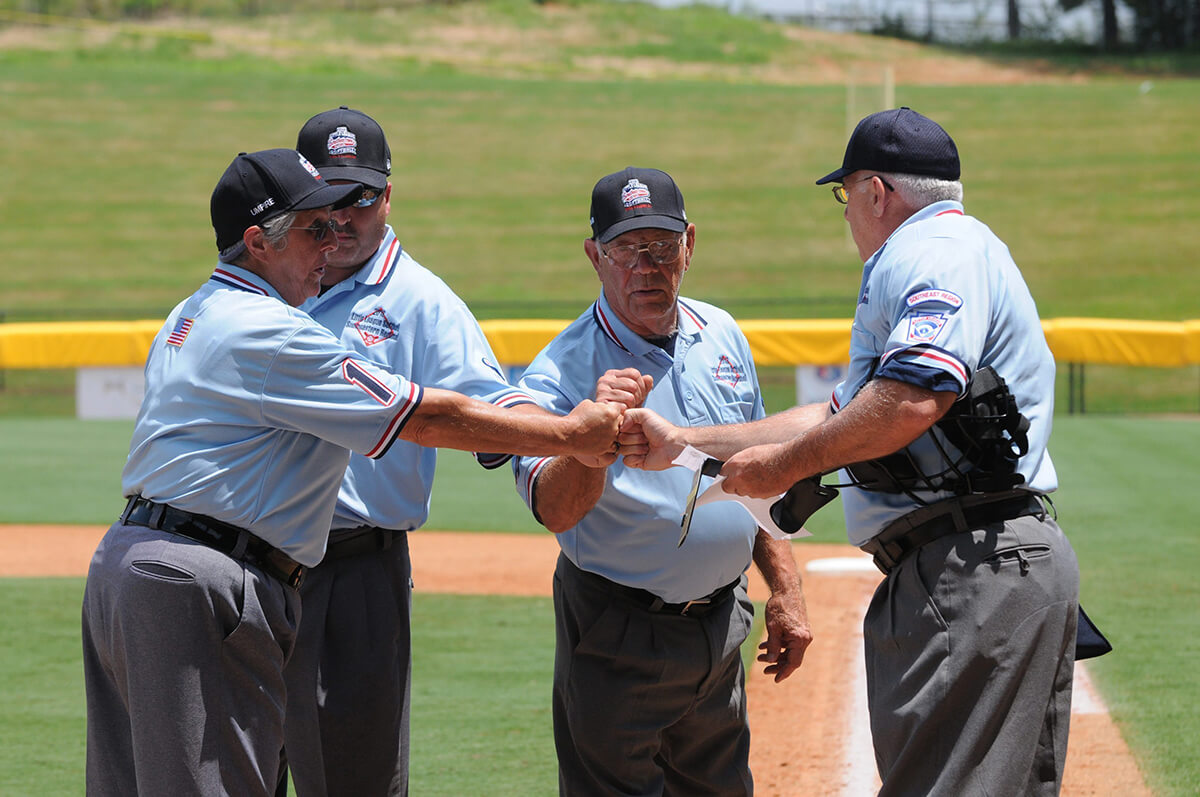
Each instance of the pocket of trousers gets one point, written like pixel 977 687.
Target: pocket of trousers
pixel 1022 556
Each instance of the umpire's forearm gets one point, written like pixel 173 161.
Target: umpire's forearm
pixel 446 419
pixel 777 563
pixel 723 441
pixel 565 491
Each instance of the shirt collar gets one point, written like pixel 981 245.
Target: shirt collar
pixel 946 206
pixel 384 261
pixel 375 271
pixel 238 278
pixel 689 321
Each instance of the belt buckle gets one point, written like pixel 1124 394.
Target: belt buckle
pixel 289 571
pixel 880 555
pixel 296 577
pixel 129 507
pixel 697 602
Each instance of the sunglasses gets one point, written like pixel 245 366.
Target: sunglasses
pixel 368 198
pixel 319 231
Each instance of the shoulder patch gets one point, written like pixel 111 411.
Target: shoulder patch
pixel 924 327
pixel 930 295
pixel 179 334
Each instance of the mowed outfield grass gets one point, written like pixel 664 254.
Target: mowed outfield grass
pixel 482 666
pixel 116 149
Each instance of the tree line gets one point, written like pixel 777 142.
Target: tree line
pixel 1158 25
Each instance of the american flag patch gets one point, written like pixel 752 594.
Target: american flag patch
pixel 180 332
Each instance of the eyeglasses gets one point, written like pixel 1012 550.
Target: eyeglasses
pixel 369 195
pixel 319 231
pixel 662 253
pixel 839 191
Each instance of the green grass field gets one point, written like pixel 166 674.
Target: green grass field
pixel 1125 500
pixel 497 142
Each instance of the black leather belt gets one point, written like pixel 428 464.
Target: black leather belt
pixel 356 542
pixel 230 540
pixel 908 533
pixel 650 602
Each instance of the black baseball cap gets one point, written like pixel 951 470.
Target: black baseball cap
pixel 258 186
pixel 636 199
pixel 899 141
pixel 347 145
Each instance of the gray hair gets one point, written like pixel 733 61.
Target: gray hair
pixel 275 232
pixel 919 191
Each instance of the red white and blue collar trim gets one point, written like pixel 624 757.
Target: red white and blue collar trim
pixel 227 277
pixel 608 322
pixel 385 263
pixel 689 319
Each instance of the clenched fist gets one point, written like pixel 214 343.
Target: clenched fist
pixel 592 428
pixel 627 388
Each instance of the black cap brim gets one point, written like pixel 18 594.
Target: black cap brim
pixel 648 222
pixel 335 196
pixel 837 175
pixel 371 178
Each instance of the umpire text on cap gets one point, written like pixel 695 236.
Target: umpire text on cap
pixel 261 185
pixel 635 199
pixel 899 141
pixel 347 145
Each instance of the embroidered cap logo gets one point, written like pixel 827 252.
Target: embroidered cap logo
pixel 635 194
pixel 309 167
pixel 343 144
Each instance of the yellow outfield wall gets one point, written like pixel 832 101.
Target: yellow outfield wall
pixel 1164 344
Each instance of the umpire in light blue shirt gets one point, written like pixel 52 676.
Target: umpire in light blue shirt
pixel 251 408
pixel 648 681
pixel 940 431
pixel 347 726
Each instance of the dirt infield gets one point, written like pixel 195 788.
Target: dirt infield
pixel 809 732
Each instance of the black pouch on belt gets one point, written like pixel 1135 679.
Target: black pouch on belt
pixel 1089 642
pixel 800 502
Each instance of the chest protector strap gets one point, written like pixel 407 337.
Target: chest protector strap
pixel 987 429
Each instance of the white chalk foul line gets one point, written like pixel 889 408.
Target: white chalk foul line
pixel 859 777
pixel 1084 697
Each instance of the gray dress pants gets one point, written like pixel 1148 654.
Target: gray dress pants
pixel 183 656
pixel 648 703
pixel 348 680
pixel 970 646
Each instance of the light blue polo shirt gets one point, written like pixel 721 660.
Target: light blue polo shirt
pixel 398 314
pixel 941 298
pixel 631 535
pixel 249 410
